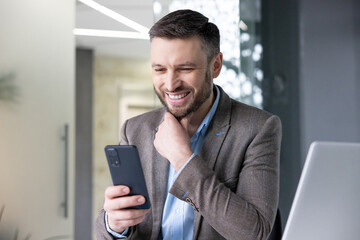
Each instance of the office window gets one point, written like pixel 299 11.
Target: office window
pixel 238 22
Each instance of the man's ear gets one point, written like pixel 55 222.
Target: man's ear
pixel 217 64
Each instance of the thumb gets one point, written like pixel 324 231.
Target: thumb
pixel 168 117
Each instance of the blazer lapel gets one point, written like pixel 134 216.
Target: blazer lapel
pixel 217 130
pixel 159 166
pixel 214 139
pixel 159 176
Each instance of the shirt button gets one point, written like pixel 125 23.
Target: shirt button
pixel 178 211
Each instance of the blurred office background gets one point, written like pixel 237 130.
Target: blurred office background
pixel 64 93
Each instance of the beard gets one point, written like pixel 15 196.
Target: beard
pixel 199 99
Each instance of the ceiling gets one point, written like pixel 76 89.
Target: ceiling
pixel 140 11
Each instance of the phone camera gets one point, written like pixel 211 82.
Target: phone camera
pixel 114 161
pixel 113 157
pixel 112 153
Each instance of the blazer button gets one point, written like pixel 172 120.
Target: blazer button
pixel 188 200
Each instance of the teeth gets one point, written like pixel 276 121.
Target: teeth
pixel 177 96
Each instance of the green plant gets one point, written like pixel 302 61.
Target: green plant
pixel 8 90
pixel 2 211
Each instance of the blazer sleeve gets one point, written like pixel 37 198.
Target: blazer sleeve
pixel 249 212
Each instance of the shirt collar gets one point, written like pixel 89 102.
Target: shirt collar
pixel 205 123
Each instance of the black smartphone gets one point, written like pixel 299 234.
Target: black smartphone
pixel 125 169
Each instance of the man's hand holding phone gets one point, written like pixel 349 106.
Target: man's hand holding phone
pixel 117 205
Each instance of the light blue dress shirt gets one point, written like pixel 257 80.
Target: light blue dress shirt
pixel 178 216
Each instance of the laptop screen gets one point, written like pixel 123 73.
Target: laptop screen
pixel 327 200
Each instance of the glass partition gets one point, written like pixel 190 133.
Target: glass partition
pixel 238 22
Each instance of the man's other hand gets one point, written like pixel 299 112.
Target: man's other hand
pixel 172 141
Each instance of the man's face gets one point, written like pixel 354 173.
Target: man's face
pixel 181 76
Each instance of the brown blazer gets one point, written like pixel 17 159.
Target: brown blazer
pixel 234 184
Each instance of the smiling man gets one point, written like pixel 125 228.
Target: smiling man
pixel 211 163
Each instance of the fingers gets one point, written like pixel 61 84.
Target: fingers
pixel 117 206
pixel 130 215
pixel 112 192
pixel 184 122
pixel 172 141
pixel 120 225
pixel 122 219
pixel 172 123
pixel 169 119
pixel 123 202
pixel 168 115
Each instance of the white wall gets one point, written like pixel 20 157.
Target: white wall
pixel 37 44
pixel 114 83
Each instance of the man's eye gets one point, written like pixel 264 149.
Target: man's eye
pixel 187 69
pixel 159 69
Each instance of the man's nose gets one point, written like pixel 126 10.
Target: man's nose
pixel 172 81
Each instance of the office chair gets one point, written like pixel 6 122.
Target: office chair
pixel 276 232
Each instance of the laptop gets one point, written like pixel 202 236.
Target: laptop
pixel 327 200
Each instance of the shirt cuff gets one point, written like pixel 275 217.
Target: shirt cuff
pixel 178 172
pixel 115 234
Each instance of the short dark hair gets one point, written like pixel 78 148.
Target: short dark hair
pixel 185 24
